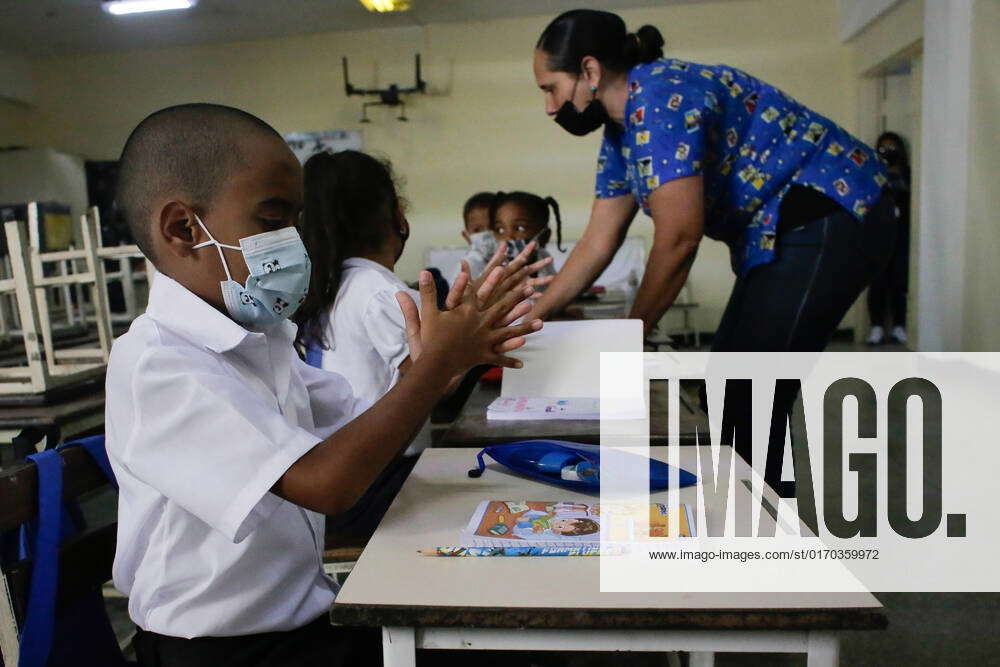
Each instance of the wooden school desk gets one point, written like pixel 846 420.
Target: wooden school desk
pixel 555 603
pixel 472 428
pixel 65 417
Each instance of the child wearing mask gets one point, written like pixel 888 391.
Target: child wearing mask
pixel 227 448
pixel 477 233
pixel 520 218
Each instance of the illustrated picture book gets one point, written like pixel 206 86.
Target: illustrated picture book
pixel 566 523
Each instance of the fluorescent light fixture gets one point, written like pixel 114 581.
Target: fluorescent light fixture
pixel 122 7
pixel 386 5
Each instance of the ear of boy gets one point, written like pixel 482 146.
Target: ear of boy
pixel 201 270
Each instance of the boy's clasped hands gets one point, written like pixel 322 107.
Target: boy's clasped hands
pixel 477 325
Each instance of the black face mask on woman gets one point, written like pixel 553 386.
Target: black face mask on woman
pixel 579 123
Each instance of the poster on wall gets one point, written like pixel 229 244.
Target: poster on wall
pixel 306 144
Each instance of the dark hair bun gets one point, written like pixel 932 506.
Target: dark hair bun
pixel 650 43
pixel 643 46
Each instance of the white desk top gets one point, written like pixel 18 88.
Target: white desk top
pixel 437 501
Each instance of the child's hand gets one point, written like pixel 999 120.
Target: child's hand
pixel 468 334
pixel 497 279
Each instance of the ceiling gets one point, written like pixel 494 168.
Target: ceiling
pixel 33 28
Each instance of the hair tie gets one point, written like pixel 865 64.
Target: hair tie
pixel 638 42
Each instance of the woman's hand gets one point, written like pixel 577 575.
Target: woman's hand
pixel 609 222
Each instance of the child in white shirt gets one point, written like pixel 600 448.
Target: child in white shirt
pixel 521 217
pixel 478 233
pixel 227 448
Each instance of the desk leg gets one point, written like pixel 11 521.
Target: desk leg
pixel 701 659
pixel 399 647
pixel 823 650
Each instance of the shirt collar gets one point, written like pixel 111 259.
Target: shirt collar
pixel 181 310
pixel 361 262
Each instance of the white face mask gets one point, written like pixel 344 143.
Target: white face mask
pixel 484 243
pixel 279 276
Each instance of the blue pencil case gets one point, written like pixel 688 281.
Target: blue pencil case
pixel 572 465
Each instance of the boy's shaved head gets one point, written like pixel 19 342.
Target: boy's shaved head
pixel 186 150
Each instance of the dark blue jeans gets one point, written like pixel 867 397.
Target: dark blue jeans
pixel 795 303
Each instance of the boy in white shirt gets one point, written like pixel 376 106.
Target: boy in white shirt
pixel 227 448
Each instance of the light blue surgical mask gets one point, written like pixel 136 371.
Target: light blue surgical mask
pixel 278 281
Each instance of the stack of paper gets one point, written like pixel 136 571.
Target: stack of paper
pixel 561 376
pixel 543 408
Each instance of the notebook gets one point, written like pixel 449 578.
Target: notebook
pixel 511 523
pixel 562 362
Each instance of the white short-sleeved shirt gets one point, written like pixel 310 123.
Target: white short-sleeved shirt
pixel 366 334
pixel 202 418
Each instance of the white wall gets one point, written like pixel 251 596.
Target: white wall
pixel 16 81
pixel 981 330
pixel 43 174
pixel 856 15
pixel 944 180
pixel 17 93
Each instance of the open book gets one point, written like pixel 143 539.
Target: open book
pixel 511 523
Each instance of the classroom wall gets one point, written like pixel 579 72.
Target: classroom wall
pixel 15 124
pixel 43 174
pixel 982 240
pixel 17 92
pixel 894 32
pixel 16 82
pixel 856 15
pixel 483 127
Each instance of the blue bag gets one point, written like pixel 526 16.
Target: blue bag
pixel 548 459
pixel 79 633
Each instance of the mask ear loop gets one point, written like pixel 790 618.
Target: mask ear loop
pixel 218 246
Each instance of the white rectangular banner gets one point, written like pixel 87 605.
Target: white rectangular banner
pixel 815 472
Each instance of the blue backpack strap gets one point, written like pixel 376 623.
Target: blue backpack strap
pixel 36 636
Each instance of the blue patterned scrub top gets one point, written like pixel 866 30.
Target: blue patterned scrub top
pixel 750 141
